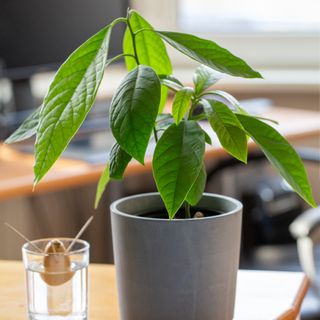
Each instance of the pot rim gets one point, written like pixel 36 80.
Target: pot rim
pixel 114 209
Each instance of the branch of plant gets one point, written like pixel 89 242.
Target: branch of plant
pixel 118 20
pixel 118 57
pixel 193 106
pixel 143 29
pixel 155 133
pixel 133 35
pixel 187 210
pixel 133 38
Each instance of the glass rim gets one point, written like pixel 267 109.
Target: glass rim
pixel 85 248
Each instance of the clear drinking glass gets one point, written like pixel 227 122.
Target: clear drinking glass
pixel 57 281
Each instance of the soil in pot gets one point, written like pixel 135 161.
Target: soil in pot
pixel 180 214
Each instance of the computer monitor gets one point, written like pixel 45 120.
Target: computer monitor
pixel 38 35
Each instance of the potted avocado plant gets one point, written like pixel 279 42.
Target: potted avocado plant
pixel 176 251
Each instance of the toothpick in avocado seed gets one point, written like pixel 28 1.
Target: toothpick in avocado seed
pixel 82 230
pixel 23 237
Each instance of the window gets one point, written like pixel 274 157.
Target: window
pixel 249 16
pixel 268 34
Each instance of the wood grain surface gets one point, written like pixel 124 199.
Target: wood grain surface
pixel 261 295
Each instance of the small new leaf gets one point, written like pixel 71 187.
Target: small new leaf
pixel 280 154
pixel 102 184
pixel 27 129
pixel 209 53
pixel 177 160
pixel 181 103
pixel 229 130
pixel 134 109
pixel 119 160
pixel 204 77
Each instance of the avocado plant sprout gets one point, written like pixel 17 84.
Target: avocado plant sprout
pixel 136 115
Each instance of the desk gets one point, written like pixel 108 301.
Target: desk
pixel 16 174
pixel 261 295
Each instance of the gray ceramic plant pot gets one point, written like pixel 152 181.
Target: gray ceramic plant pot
pixel 183 269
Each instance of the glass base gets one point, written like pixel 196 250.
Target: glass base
pixel 33 316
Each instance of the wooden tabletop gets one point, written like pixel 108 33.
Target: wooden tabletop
pixel 262 295
pixel 16 168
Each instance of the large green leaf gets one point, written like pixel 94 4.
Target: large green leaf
pixel 119 160
pixel 281 155
pixel 209 53
pixel 134 109
pixel 204 77
pixel 69 99
pixel 181 103
pixel 197 189
pixel 177 161
pixel 150 49
pixel 27 129
pixel 229 130
pixel 102 184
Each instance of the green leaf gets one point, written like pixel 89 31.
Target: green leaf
pixel 134 109
pixel 204 77
pixel 171 82
pixel 229 130
pixel 177 160
pixel 171 78
pixel 181 103
pixel 163 98
pixel 69 99
pixel 197 189
pixel 209 53
pixel 225 98
pixel 199 117
pixel 119 160
pixel 280 154
pixel 263 118
pixel 27 129
pixel 150 49
pixel 163 121
pixel 207 137
pixel 102 184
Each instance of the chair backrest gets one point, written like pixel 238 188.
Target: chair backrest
pixel 306 230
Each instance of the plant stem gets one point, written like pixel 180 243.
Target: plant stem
pixel 143 29
pixel 193 105
pixel 119 56
pixel 133 39
pixel 116 21
pixel 133 35
pixel 187 210
pixel 155 134
pixel 186 204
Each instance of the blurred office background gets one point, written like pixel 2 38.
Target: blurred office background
pixel 279 38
